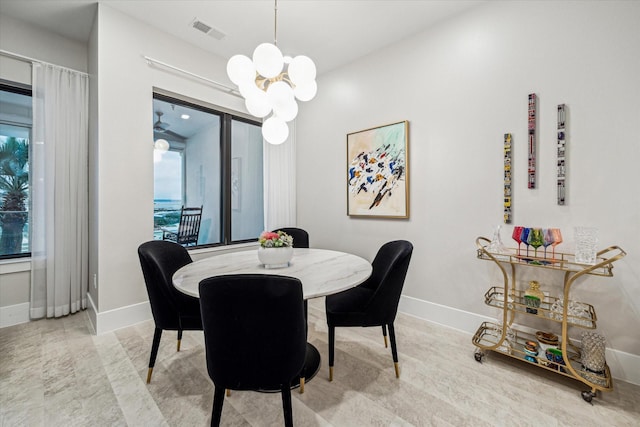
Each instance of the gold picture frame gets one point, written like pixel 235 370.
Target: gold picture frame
pixel 377 172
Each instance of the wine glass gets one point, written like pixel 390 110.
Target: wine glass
pixel 547 236
pixel 536 239
pixel 524 237
pixel 517 232
pixel 557 239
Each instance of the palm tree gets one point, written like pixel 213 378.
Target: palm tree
pixel 14 186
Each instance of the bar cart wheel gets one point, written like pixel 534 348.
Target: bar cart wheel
pixel 478 356
pixel 588 396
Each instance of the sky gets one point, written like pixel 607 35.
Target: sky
pixel 166 177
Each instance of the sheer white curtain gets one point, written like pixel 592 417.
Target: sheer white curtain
pixel 59 191
pixel 280 182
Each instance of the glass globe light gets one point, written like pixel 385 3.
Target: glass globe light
pixel 275 131
pixel 240 69
pixel 161 145
pixel 279 94
pixel 306 92
pixel 302 70
pixel 268 60
pixel 249 90
pixel 257 104
pixel 287 111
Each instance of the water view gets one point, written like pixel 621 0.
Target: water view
pixel 166 214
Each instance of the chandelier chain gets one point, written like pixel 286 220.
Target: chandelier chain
pixel 275 24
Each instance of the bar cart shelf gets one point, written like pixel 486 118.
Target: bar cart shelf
pixel 512 341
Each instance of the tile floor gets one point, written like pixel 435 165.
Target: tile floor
pixel 56 373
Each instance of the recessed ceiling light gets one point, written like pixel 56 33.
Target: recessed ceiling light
pixel 185 116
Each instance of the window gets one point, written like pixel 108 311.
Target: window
pixel 15 130
pixel 213 160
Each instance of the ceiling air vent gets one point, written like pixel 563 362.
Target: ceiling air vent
pixel 207 29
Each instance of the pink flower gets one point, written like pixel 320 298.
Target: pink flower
pixel 270 239
pixel 269 235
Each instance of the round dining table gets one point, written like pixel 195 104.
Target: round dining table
pixel 322 272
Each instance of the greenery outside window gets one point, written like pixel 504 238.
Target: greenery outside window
pixel 15 131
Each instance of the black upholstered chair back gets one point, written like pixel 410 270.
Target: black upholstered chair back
pixel 375 301
pixel 300 236
pixel 159 259
pixel 254 328
pixel 172 310
pixel 387 280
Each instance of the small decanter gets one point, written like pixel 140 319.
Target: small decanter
pixel 533 296
pixel 496 245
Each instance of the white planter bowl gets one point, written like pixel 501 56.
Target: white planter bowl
pixel 275 257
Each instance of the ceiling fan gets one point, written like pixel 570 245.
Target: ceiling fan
pixel 159 126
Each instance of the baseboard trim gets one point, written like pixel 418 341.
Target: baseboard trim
pixel 624 366
pixel 14 314
pixel 92 312
pixel 118 318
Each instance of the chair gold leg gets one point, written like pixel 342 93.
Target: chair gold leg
pixel 386 345
pixel 178 348
pixel 397 367
pixel 301 385
pixel 228 392
pixel 330 373
pixel 149 372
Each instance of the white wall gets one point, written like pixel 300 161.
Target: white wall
pixel 202 160
pixel 461 86
pixel 92 64
pixel 17 36
pixel 124 146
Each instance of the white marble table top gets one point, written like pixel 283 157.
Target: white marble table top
pixel 322 272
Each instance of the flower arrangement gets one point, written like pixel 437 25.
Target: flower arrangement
pixel 275 239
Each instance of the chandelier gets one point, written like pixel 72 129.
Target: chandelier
pixel 270 83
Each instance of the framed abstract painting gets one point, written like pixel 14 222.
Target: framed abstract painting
pixel 377 172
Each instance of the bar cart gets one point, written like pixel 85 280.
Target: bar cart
pixel 511 300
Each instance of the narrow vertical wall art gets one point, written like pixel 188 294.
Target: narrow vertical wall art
pixel 561 147
pixel 507 178
pixel 532 140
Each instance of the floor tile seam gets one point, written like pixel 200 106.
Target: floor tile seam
pixel 370 398
pixel 381 351
pixel 317 416
pixel 297 399
pixel 491 416
pixel 441 392
pixel 239 407
pixel 427 391
pixel 301 398
pixel 348 393
pixel 37 383
pixel 131 419
pixel 452 401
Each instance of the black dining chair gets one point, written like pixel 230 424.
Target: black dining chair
pixel 374 302
pixel 254 333
pixel 172 310
pixel 300 236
